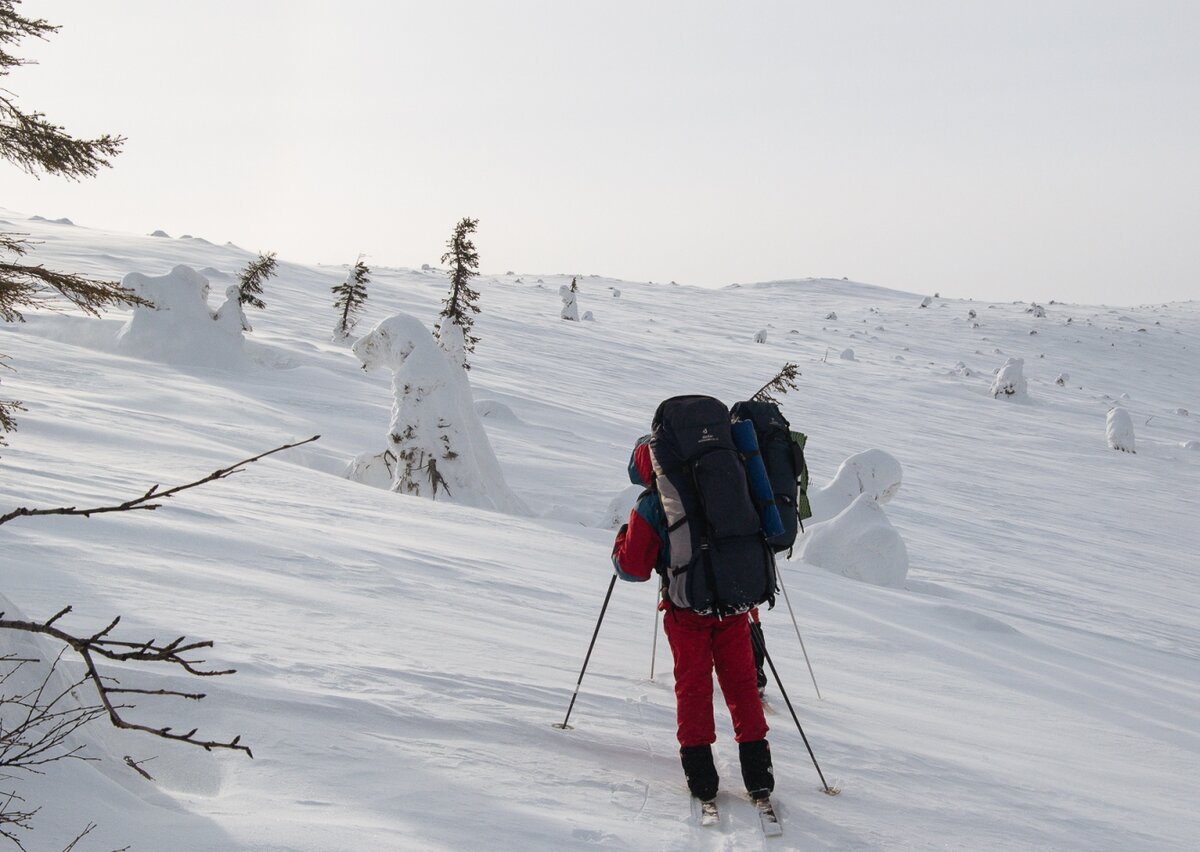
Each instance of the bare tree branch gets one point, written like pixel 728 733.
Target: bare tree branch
pixel 98 645
pixel 144 502
pixel 37 722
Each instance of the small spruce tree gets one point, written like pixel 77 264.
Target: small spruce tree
pixel 252 277
pixel 350 294
pixel 460 306
pixel 784 381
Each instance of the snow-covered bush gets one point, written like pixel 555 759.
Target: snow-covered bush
pixel 1062 380
pixel 179 329
pixel 760 336
pixel 926 302
pixel 437 440
pixel 1036 309
pixel 874 472
pixel 230 316
pixel 1190 445
pixel 847 355
pixel 832 315
pixel 1119 430
pixel 570 304
pixel 861 543
pixel 1010 380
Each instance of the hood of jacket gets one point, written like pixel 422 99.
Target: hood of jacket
pixel 641 469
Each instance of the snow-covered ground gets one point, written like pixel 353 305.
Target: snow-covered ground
pixel 1033 684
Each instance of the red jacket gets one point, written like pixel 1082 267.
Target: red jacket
pixel 642 545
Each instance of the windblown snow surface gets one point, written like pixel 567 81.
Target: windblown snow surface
pixel 1033 684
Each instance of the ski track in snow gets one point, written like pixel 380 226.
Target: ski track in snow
pixel 401 662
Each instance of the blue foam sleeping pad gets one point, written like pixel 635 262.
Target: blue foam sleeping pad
pixel 760 483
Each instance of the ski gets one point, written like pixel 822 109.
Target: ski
pixel 767 818
pixel 709 815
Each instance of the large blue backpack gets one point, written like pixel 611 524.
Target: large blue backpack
pixel 721 563
pixel 782 453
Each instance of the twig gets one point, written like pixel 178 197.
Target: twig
pixel 98 645
pixel 136 766
pixel 144 502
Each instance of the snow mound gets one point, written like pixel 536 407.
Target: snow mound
pixel 437 446
pixel 847 355
pixel 1119 430
pixel 859 543
pixel 495 411
pixel 874 473
pixel 1190 445
pixel 1010 381
pixel 619 508
pixel 179 329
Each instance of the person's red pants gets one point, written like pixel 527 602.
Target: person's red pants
pixel 699 643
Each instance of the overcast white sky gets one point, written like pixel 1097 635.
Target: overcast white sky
pixel 1016 150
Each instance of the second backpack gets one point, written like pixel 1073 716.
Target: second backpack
pixel 783 454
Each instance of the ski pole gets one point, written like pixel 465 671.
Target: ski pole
pixel 788 601
pixel 654 642
pixel 832 791
pixel 564 726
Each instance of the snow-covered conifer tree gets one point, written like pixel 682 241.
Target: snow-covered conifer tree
pixel 350 294
pixel 570 306
pixel 460 306
pixel 251 279
pixel 1010 380
pixel 230 315
pixel 1119 430
pixel 437 446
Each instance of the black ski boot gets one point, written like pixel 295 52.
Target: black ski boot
pixel 699 770
pixel 756 768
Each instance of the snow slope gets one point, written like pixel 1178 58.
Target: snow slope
pixel 1034 684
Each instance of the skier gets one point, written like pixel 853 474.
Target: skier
pixel 699 643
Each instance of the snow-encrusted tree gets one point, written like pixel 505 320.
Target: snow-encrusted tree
pixel 251 279
pixel 1118 429
pixel 35 145
pixel 437 447
pixel 350 294
pixel 1010 380
pixel 460 306
pixel 230 317
pixel 570 304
